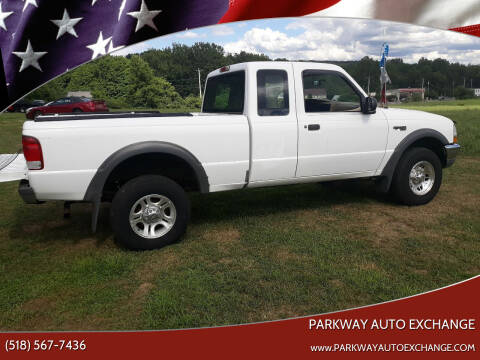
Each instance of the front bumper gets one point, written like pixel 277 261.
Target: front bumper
pixel 27 193
pixel 451 151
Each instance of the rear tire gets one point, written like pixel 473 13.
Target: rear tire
pixel 418 177
pixel 149 212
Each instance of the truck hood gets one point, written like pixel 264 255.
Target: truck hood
pixel 407 114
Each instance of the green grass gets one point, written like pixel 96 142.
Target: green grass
pixel 247 256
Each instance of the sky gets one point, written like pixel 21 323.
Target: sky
pixel 310 38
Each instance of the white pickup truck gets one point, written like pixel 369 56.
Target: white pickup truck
pixel 262 124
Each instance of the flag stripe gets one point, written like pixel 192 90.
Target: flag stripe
pixel 248 9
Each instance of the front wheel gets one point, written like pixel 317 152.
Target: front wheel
pixel 149 212
pixel 418 177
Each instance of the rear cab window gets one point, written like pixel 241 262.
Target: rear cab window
pixel 272 93
pixel 225 93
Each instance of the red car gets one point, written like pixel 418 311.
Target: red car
pixel 68 105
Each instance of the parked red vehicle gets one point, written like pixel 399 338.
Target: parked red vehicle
pixel 68 105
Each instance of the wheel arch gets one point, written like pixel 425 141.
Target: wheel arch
pixel 95 189
pixel 428 138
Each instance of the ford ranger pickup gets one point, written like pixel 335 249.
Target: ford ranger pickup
pixel 261 124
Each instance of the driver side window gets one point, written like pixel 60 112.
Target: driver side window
pixel 59 102
pixel 328 92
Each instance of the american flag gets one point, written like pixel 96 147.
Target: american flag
pixel 41 39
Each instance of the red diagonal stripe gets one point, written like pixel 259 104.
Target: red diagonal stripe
pixel 471 30
pixel 255 9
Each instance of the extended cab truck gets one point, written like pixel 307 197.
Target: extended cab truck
pixel 262 124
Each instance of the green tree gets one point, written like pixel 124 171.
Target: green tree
pixel 158 93
pixel 464 93
pixel 193 102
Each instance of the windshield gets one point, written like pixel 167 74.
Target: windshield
pixel 225 93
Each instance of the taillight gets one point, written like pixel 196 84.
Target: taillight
pixel 225 69
pixel 32 150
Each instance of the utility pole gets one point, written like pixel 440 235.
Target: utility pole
pixel 428 88
pixel 471 83
pixel 199 84
pixel 368 86
pixel 464 80
pixel 423 89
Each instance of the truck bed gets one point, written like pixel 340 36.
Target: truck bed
pixel 106 115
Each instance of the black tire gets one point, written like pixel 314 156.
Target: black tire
pixel 133 191
pixel 401 179
pixel 77 110
pixel 37 113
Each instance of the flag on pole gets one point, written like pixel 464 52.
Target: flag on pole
pixel 384 78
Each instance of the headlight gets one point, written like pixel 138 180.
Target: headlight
pixel 454 134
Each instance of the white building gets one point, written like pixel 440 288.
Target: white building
pixel 87 94
pixel 477 92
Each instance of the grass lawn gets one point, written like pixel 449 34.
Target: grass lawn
pixel 248 256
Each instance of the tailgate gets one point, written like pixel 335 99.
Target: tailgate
pixel 12 167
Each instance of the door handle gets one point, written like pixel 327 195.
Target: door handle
pixel 401 128
pixel 313 127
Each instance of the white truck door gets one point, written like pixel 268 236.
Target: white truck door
pixel 12 167
pixel 273 119
pixel 335 137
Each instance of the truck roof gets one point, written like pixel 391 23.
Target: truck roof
pixel 267 64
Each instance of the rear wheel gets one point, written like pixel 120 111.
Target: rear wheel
pixel 418 177
pixel 149 212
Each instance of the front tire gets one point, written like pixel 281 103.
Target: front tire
pixel 149 212
pixel 418 177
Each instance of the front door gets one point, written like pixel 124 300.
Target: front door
pixel 335 137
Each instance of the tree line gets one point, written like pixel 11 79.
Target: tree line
pixel 168 78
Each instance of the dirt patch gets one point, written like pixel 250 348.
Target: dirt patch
pixel 283 254
pixel 226 261
pixel 336 283
pixel 143 290
pixel 37 313
pixel 386 224
pixel 420 271
pixel 164 260
pixel 224 238
pixel 83 244
pixel 41 304
pixel 313 219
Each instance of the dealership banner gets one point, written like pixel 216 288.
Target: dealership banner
pixel 444 323
pixel 42 39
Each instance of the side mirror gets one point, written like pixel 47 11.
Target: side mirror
pixel 370 105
